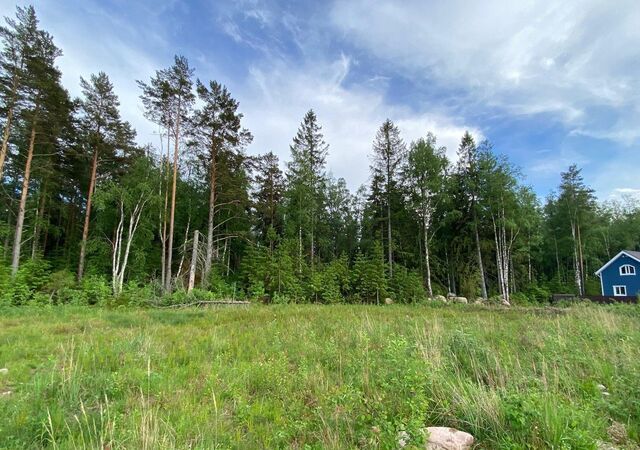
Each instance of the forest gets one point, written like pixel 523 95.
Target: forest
pixel 90 215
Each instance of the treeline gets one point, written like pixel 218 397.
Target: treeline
pixel 88 213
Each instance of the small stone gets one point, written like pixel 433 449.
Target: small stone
pixel 4 371
pixel 602 387
pixel 606 394
pixel 445 438
pixel 388 301
pixel 5 393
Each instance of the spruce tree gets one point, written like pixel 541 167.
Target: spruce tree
pixel 389 152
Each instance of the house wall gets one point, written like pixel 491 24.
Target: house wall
pixel 611 276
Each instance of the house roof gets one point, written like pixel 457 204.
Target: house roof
pixel 630 253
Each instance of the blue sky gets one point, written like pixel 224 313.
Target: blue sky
pixel 548 83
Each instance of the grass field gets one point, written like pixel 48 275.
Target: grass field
pixel 318 376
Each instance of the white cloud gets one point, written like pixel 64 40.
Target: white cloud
pixel 278 95
pixel 564 58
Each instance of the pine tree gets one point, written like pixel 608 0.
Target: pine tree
pixel 20 41
pixel 46 102
pixel 105 133
pixel 168 99
pixel 216 126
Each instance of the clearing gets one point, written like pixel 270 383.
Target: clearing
pixel 318 376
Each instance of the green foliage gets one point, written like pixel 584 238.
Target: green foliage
pixel 407 286
pixel 368 277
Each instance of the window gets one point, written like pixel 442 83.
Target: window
pixel 627 269
pixel 620 291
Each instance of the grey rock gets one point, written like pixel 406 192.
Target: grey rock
pixel 445 438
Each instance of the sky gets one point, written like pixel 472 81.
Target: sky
pixel 548 83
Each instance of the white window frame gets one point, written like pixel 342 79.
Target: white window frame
pixel 631 270
pixel 619 291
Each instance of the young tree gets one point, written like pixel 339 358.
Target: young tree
pixel 306 179
pixel 216 126
pixel 105 133
pixel 169 98
pixel 267 197
pixel 389 152
pixel 425 176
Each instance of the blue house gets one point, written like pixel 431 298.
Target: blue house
pixel 620 277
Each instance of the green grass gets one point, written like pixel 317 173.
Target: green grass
pixel 317 376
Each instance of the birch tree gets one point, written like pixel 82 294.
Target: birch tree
pixel 425 175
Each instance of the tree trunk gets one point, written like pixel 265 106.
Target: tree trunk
pixel 483 285
pixel 173 203
pixel 17 240
pixel 426 255
pixel 581 260
pixel 194 260
pixel 39 218
pixel 212 206
pixel 184 248
pixel 390 257
pixel 87 213
pixel 163 213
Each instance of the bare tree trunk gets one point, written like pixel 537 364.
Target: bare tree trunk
pixel 212 206
pixel 184 248
pixel 300 249
pixel 168 278
pixel 483 285
pixel 581 260
pixel 163 213
pixel 17 240
pixel 576 260
pixel 426 254
pixel 390 257
pixel 120 260
pixel 87 213
pixel 39 217
pixel 194 261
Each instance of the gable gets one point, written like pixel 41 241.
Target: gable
pixel 622 258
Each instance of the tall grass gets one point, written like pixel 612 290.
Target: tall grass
pixel 318 376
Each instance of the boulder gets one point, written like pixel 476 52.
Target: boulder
pixel 459 300
pixel 451 295
pixel 445 438
pixel 479 301
pixel 440 298
pixel 388 301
